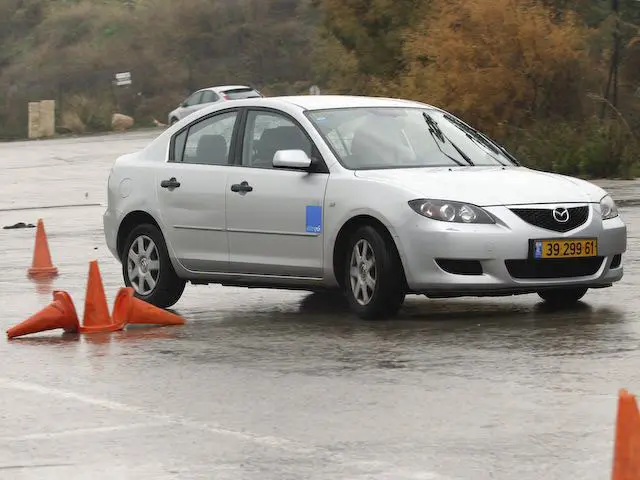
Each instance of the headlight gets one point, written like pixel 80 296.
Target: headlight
pixel 448 211
pixel 608 208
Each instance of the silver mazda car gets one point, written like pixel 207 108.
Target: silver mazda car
pixel 377 197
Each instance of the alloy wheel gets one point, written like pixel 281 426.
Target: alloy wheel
pixel 143 265
pixel 363 272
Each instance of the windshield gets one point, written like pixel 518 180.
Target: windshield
pixel 389 137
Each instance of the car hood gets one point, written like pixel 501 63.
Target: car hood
pixel 488 186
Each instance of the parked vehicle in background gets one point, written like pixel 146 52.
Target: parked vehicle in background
pixel 210 95
pixel 377 197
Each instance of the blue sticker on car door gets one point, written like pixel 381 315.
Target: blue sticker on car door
pixel 313 219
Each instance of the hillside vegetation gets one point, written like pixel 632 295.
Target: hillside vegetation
pixel 531 73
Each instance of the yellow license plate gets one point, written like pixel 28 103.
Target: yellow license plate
pixel 565 248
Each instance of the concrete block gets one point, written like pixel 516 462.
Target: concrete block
pixel 48 118
pixel 42 119
pixel 34 120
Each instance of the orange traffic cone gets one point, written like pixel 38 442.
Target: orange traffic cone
pixel 129 309
pixel 60 313
pixel 626 457
pixel 41 266
pixel 96 317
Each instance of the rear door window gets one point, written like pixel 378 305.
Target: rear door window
pixel 206 142
pixel 193 99
pixel 209 97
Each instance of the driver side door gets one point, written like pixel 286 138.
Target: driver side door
pixel 274 215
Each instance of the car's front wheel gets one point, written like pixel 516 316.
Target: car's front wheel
pixel 562 297
pixel 147 268
pixel 373 281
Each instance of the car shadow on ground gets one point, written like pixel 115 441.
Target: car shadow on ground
pixel 417 307
pixel 450 314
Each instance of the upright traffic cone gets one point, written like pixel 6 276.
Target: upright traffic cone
pixel 128 309
pixel 41 266
pixel 61 313
pixel 626 457
pixel 96 317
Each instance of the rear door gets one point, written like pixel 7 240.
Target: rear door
pixel 191 191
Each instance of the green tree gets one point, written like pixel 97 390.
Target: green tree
pixel 372 30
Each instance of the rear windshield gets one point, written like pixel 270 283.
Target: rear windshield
pixel 238 93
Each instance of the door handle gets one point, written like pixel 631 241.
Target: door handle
pixel 171 183
pixel 241 187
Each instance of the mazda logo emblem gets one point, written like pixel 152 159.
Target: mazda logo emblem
pixel 561 215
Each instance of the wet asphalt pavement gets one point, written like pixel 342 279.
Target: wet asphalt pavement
pixel 276 385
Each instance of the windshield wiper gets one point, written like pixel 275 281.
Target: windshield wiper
pixel 490 147
pixel 437 134
pixel 480 138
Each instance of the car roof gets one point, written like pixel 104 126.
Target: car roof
pixel 321 102
pixel 317 102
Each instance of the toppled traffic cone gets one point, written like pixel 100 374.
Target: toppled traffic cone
pixel 61 313
pixel 96 316
pixel 128 309
pixel 41 266
pixel 626 457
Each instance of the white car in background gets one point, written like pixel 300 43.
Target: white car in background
pixel 210 95
pixel 377 197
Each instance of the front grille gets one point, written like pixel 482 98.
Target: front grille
pixel 543 217
pixel 556 268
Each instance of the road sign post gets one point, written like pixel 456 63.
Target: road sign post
pixel 122 79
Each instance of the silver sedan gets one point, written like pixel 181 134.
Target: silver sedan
pixel 379 198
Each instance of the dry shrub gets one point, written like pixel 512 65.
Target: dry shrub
pixel 72 122
pixel 372 30
pixel 87 113
pixel 591 148
pixel 497 62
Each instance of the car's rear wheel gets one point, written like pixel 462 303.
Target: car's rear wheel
pixel 146 267
pixel 562 297
pixel 173 120
pixel 373 279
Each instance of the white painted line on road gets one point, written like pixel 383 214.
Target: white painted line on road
pixel 276 442
pixel 50 207
pixel 81 431
pixel 396 471
pixel 35 388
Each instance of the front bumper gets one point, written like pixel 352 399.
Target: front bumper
pixel 423 240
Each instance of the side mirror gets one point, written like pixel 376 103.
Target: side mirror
pixel 291 159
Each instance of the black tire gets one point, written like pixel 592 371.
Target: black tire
pixel 562 297
pixel 173 120
pixel 388 291
pixel 169 287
